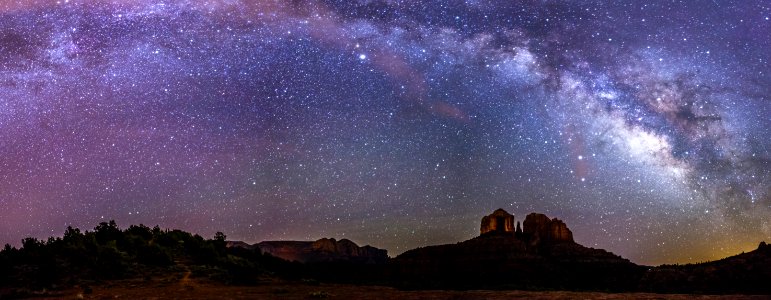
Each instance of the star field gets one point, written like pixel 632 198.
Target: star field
pixel 399 124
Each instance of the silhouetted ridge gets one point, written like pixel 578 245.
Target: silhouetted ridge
pixel 542 254
pixel 744 273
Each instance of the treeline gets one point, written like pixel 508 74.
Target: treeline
pixel 108 252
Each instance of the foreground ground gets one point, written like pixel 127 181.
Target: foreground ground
pixel 194 289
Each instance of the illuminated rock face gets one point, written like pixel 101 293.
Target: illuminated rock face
pixel 498 221
pixel 536 228
pixel 539 228
pixel 559 232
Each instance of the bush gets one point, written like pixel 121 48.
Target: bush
pixel 110 262
pixel 153 254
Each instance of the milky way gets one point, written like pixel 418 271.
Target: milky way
pixel 645 126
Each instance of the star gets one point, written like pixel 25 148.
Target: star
pixel 396 127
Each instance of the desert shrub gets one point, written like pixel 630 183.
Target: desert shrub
pixel 140 231
pixel 110 262
pixel 108 231
pixel 240 270
pixel 153 254
pixel 205 254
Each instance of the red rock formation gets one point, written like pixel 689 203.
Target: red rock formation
pixel 323 250
pixel 559 232
pixel 238 244
pixel 344 247
pixel 324 245
pixel 535 223
pixel 498 221
pixel 287 250
pixel 347 248
pixel 539 228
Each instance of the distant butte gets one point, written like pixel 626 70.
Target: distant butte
pixel 322 250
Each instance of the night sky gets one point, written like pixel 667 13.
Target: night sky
pixel 399 124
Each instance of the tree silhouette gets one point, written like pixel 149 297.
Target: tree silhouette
pixel 109 252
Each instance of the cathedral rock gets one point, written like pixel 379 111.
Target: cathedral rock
pixel 499 221
pixel 540 228
pixel 536 228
